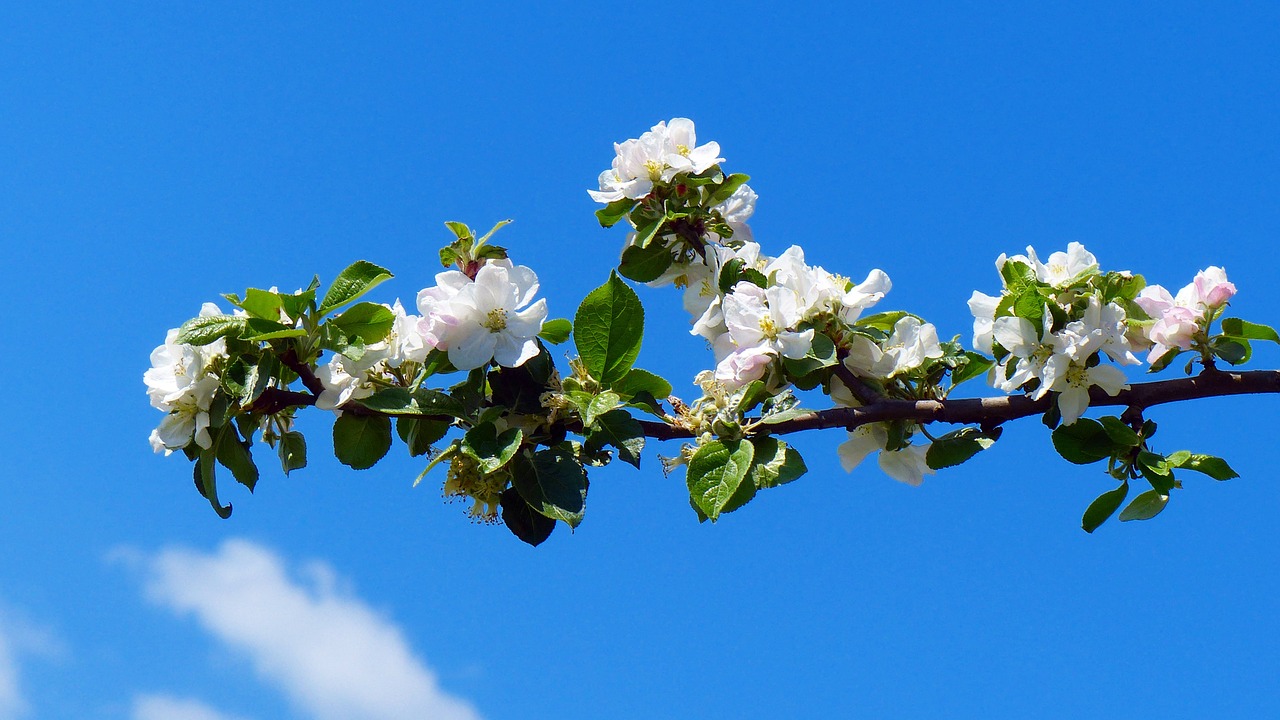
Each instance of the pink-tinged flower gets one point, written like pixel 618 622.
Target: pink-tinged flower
pixel 743 366
pixel 1212 287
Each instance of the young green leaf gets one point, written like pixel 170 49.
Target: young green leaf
pixel 1145 506
pixel 1236 327
pixel 357 279
pixel 368 321
pixel 1214 467
pixel 556 331
pixel 608 329
pixel 208 328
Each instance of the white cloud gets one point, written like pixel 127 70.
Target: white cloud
pixel 12 704
pixel 329 652
pixel 165 707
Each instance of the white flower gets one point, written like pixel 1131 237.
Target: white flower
pixel 983 307
pixel 406 342
pixel 488 322
pixel 736 210
pixel 906 465
pixel 1061 267
pixel 684 154
pixel 1102 328
pixel 1072 381
pixel 180 382
pixel 911 343
pixel 345 379
pixel 766 318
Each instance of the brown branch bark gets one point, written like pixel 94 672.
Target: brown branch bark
pixel 986 412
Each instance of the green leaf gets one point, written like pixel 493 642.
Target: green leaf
pixel 1155 468
pixel 234 456
pixel 715 476
pixel 599 405
pixel 727 188
pixel 360 441
pixel 956 447
pixel 1214 467
pixel 1103 507
pixel 821 355
pixel 638 381
pixel 1083 442
pixel 645 264
pixel 296 305
pixel 292 449
pixel 207 484
pixel 523 521
pixel 1145 506
pixel 976 366
pixel 420 433
pixel 773 463
pixel 1017 275
pixel 608 329
pixel 1163 361
pixel 1236 327
pixel 619 429
pixel 489 448
pixel 461 231
pixel 262 304
pixel 553 483
pixel 368 321
pixel 520 388
pixel 730 274
pixel 556 331
pixel 610 214
pixel 208 328
pixel 423 401
pixel 357 279
pixel 259 330
pixel 1236 351
pixel 1120 433
pixel 784 415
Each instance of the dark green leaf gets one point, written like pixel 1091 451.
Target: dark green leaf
pixel 1083 442
pixel 645 264
pixel 419 434
pixel 956 447
pixel 619 429
pixel 357 279
pixel 1120 433
pixel 234 456
pixel 1145 506
pixel 608 329
pixel 523 521
pixel 1234 350
pixel 553 483
pixel 610 214
pixel 490 448
pixel 207 483
pixel 423 401
pixel 556 331
pixel 715 476
pixel 730 274
pixel 1103 507
pixel 360 441
pixel 292 449
pixel 208 328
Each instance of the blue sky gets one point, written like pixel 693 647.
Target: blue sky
pixel 153 156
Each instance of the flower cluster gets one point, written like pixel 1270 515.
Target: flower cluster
pixel 1052 325
pixel 182 382
pixel 1180 319
pixel 667 150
